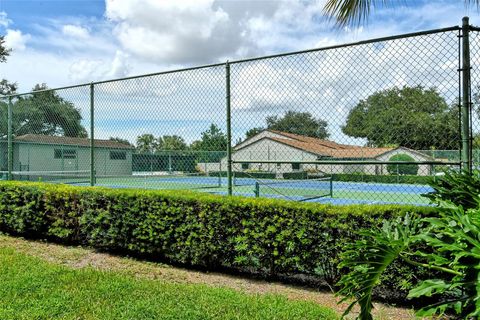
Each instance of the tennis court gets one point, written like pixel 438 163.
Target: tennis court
pixel 322 190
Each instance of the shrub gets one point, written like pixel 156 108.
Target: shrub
pixel 263 236
pixel 461 188
pixel 402 169
pixel 295 175
pixel 410 179
pixel 448 244
pixel 245 174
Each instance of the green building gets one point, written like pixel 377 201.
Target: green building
pixel 32 152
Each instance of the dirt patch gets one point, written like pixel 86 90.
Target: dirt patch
pixel 78 257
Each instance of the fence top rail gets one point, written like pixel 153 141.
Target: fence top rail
pixel 347 162
pixel 345 45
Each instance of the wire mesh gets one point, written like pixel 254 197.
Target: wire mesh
pixel 171 125
pixel 371 122
pixel 347 108
pixel 475 92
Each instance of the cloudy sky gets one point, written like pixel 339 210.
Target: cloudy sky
pixel 67 42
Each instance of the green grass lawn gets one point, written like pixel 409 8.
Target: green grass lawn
pixel 31 288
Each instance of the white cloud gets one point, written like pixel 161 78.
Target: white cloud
pixel 75 31
pixel 145 36
pixel 84 70
pixel 120 66
pixel 16 40
pixel 88 70
pixel 173 31
pixel 4 21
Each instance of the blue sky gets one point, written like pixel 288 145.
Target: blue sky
pixel 95 39
pixel 67 42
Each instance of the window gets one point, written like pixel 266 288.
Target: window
pixel 295 166
pixel 245 166
pixel 65 154
pixel 118 155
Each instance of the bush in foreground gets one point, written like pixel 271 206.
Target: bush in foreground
pixel 448 244
pixel 261 236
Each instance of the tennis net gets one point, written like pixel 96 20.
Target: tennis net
pixel 186 181
pixel 67 177
pixel 135 180
pixel 295 189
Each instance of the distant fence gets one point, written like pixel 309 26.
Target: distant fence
pixel 403 105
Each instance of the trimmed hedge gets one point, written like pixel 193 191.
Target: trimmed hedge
pixel 267 236
pixel 407 179
pixel 243 174
pixel 295 175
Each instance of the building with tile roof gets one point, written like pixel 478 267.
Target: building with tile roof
pixel 274 145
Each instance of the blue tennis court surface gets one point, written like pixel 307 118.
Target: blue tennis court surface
pixel 322 190
pixel 343 193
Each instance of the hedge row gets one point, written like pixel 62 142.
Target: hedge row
pixel 408 179
pixel 245 174
pixel 295 175
pixel 267 236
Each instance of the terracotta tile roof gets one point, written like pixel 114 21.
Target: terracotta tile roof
pixel 326 143
pixel 344 151
pixel 84 142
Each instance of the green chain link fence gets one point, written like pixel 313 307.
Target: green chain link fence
pixel 367 122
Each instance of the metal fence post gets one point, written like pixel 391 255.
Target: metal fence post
pixel 229 132
pixel 10 139
pixel 466 104
pixel 92 135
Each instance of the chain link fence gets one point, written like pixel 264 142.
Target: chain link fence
pixel 369 122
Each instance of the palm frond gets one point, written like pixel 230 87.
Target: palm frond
pixel 356 12
pixel 351 12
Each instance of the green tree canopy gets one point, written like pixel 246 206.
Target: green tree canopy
pixel 252 132
pixel 173 142
pixel 302 123
pixel 402 169
pixel 147 143
pixel 212 139
pixel 411 117
pixel 43 113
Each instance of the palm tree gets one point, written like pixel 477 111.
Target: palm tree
pixel 147 143
pixel 356 12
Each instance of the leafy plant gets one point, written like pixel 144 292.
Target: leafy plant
pixel 451 248
pixel 369 257
pixel 460 188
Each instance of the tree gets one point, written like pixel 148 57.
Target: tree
pixel 171 143
pixel 252 132
pixel 355 12
pixel 212 139
pixel 7 88
pixel 411 117
pixel 44 113
pixel 121 140
pixel 4 52
pixel 146 143
pixel 402 169
pixel 302 123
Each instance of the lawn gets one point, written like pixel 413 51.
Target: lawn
pixel 32 288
